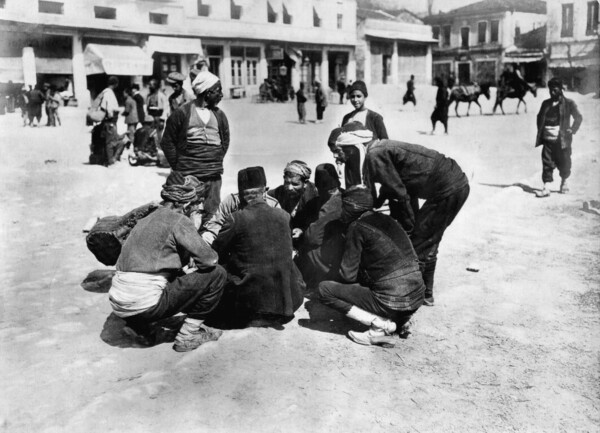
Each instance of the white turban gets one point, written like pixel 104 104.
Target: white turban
pixel 204 81
pixel 354 137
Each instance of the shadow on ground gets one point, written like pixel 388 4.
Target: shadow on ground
pixel 115 332
pixel 528 189
pixel 325 319
pixel 98 281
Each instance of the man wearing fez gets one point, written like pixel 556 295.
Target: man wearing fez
pixel 196 138
pixel 381 285
pixel 179 96
pixel 150 283
pixel 230 204
pixel 255 246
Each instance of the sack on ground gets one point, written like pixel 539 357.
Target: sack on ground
pixel 108 234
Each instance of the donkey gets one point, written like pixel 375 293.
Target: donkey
pixel 519 93
pixel 468 94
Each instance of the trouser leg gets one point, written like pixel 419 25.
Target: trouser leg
pixel 548 164
pixel 562 160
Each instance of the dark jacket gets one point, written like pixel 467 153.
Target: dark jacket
pixel 163 242
pixel 139 102
pixel 307 209
pixel 567 108
pixel 255 246
pixel 378 254
pixel 374 122
pixel 408 172
pixel 197 162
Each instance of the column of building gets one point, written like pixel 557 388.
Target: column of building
pixel 325 68
pixel 395 69
pixel 367 65
pixel 79 76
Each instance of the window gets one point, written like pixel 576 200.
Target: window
pixel 47 7
pixel 2 4
pixel 236 71
pixel 161 19
pixel 340 21
pixel 316 18
pixel 481 31
pixel 435 32
pixel 567 20
pixel 592 18
pixel 464 37
pixel 244 65
pixel 494 31
pixel 203 10
pixel 251 72
pixel 105 13
pixel 287 18
pixel 446 30
pixel 236 11
pixel 271 14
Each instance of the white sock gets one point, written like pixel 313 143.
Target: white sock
pixel 190 326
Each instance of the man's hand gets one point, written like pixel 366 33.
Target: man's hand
pixel 296 233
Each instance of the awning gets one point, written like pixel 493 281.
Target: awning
pixel 400 36
pixel 53 66
pixel 164 44
pixel 11 69
pixel 116 60
pixel 522 59
pixel 294 54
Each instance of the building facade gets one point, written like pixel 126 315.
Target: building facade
pixel 244 41
pixel 574 43
pixel 392 47
pixel 476 41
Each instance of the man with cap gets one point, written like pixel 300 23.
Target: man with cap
pixel 196 138
pixel 380 284
pixel 323 242
pixel 158 106
pixel 298 196
pixel 555 133
pixel 150 283
pixel 179 96
pixel 255 246
pixel 256 178
pixel 406 173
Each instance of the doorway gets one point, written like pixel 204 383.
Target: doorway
pixel 464 73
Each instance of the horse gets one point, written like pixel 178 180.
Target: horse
pixel 518 92
pixel 468 94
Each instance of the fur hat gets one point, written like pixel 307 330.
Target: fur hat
pixel 326 177
pixel 251 177
pixel 359 85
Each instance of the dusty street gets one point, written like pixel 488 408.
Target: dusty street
pixel 513 347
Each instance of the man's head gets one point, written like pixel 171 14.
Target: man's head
pixel 358 93
pixel 207 87
pixel 356 200
pixel 183 193
pixel 175 80
pixel 135 87
pixel 153 85
pixel 412 77
pixel 295 178
pixel 113 82
pixel 351 134
pixel 252 183
pixel 326 179
pixel 555 87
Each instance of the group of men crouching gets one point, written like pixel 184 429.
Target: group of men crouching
pixel 251 261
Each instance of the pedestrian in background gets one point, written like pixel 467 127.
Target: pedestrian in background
pixel 341 88
pixel 409 96
pixel 555 134
pixel 320 101
pixel 300 104
pixel 440 111
pixel 53 103
pixel 139 101
pixel 371 120
pixel 22 103
pixel 34 109
pixel 158 105
pixel 179 96
pixel 130 113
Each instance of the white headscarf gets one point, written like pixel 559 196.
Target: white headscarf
pixel 350 138
pixel 204 81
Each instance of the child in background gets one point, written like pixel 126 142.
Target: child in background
pixel 357 93
pixel 300 101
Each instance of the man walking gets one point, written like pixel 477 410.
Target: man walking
pixel 409 96
pixel 555 134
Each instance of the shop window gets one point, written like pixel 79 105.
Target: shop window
pixel 494 31
pixel 567 20
pixel 340 21
pixel 164 64
pixel 287 18
pixel 481 31
pixel 236 11
pixel 464 37
pixel 446 31
pixel 271 14
pixel 252 72
pixel 316 18
pixel 105 13
pixel 435 32
pixel 48 7
pixel 592 18
pixel 162 19
pixel 203 10
pixel 236 71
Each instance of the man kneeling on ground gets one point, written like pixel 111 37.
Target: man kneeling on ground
pixel 381 283
pixel 150 284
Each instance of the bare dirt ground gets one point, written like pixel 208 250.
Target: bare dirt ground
pixel 513 347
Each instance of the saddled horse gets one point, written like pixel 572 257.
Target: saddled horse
pixel 518 92
pixel 470 93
